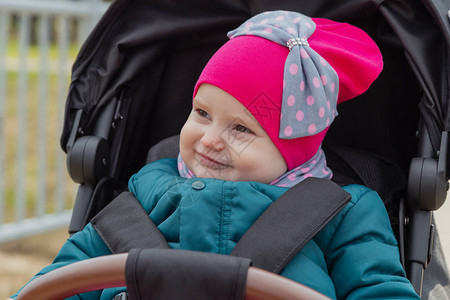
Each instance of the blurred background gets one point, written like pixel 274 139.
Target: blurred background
pixel 39 41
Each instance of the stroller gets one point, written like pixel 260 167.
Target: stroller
pixel 122 102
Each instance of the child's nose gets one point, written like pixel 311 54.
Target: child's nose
pixel 212 140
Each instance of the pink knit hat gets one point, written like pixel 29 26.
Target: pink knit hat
pixel 290 72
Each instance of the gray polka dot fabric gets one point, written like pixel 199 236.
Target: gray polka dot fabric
pixel 310 85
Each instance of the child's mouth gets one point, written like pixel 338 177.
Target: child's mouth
pixel 209 162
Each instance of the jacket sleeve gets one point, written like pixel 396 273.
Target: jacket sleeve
pixel 82 245
pixel 362 256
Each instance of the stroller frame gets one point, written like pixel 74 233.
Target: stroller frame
pixel 99 113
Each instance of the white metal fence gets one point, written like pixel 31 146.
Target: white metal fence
pixel 39 40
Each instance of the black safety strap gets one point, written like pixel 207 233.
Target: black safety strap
pixel 184 274
pixel 124 225
pixel 290 222
pixel 271 242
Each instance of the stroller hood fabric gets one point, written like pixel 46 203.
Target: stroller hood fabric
pixel 139 46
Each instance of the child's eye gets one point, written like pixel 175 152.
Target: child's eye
pixel 202 113
pixel 243 129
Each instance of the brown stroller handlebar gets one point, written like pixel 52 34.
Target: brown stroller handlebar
pixel 109 271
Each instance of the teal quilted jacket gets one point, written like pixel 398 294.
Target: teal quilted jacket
pixel 355 256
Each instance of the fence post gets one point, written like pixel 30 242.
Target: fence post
pixel 62 90
pixel 44 39
pixel 4 28
pixel 22 111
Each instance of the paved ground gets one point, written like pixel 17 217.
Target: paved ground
pixel 443 224
pixel 20 260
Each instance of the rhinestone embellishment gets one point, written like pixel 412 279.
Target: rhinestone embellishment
pixel 291 43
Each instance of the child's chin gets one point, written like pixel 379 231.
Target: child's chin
pixel 216 174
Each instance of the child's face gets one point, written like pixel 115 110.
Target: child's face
pixel 222 140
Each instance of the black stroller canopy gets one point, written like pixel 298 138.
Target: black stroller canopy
pixel 151 54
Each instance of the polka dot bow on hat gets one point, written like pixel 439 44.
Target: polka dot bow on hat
pixel 290 71
pixel 311 85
